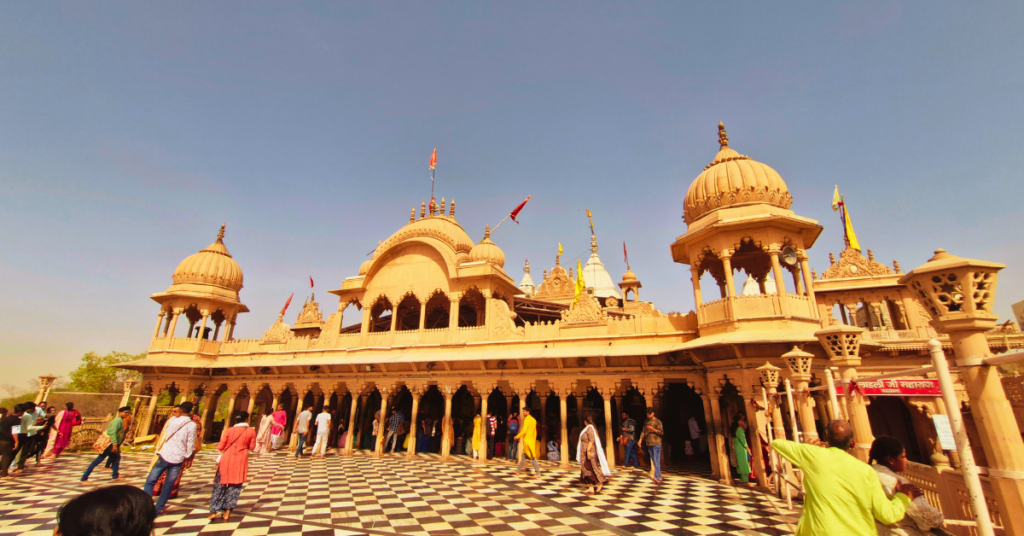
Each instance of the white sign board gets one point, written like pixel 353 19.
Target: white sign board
pixel 944 432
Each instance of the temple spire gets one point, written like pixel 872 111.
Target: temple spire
pixel 723 138
pixel 220 235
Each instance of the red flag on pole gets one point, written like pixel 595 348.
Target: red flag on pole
pixel 625 253
pixel 433 159
pixel 515 211
pixel 287 303
pixel 310 281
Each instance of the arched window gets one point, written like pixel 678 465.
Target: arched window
pixel 471 309
pixel 379 321
pixel 408 314
pixel 439 309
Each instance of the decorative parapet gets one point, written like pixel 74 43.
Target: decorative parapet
pixel 853 264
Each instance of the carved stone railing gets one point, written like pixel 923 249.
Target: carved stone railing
pixel 86 433
pixel 945 490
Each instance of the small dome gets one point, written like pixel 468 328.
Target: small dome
pixel 211 266
pixel 443 228
pixel 629 275
pixel 487 251
pixel 732 179
pixel 365 267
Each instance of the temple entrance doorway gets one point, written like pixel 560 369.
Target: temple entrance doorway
pixel 678 404
pixel 498 407
pixel 432 408
pixel 889 416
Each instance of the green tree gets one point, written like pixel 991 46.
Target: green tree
pixel 97 374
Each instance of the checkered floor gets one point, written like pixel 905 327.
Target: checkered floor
pixel 394 496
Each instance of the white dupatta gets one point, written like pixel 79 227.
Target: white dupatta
pixel 605 470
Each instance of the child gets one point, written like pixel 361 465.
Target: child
pixel 688 448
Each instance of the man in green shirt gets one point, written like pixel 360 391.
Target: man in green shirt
pixel 843 494
pixel 115 431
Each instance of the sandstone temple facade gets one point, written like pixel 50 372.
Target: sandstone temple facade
pixel 434 324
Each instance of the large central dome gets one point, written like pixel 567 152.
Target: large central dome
pixel 731 180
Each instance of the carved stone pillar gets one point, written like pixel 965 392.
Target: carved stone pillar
pixel 716 470
pixel 730 286
pixel 609 432
pixel 174 323
pixel 363 399
pixel 127 390
pixel 159 320
pixel 448 390
pixel 799 363
pixel 484 395
pixel 148 422
pixel 416 390
pixel 725 474
pixel 232 395
pixel 378 449
pixel 202 326
pixel 563 407
pixel 750 395
pixel 353 407
pixel 207 414
pixel 780 285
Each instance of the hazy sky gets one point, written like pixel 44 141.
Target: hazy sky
pixel 129 133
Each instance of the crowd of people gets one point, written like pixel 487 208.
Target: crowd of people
pixel 842 494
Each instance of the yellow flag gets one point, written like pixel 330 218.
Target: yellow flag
pixel 559 248
pixel 850 235
pixel 836 200
pixel 589 215
pixel 580 286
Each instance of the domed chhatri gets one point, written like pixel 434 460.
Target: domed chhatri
pixel 213 265
pixel 487 251
pixel 732 179
pixel 629 275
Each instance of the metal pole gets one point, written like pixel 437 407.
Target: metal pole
pixel 963 446
pixel 831 385
pixel 500 222
pixel 792 414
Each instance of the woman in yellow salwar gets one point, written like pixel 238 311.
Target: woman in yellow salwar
pixel 476 436
pixel 528 435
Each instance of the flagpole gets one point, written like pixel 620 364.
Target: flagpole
pixel 500 222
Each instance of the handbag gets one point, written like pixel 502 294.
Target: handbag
pixel 101 443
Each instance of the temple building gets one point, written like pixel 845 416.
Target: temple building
pixel 433 324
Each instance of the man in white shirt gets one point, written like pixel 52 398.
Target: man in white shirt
pixel 302 429
pixel 178 445
pixel 323 432
pixel 694 432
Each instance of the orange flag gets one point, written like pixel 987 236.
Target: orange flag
pixel 433 159
pixel 287 303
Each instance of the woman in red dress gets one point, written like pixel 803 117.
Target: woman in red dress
pixel 232 466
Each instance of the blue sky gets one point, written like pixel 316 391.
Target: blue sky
pixel 130 132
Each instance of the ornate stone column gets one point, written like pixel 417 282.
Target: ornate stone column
pixel 385 391
pixel 751 394
pixel 416 390
pixel 127 387
pixel 799 363
pixel 363 403
pixel 202 326
pixel 448 390
pixel 159 320
pixel 780 285
pixel 716 471
pixel 508 413
pixel 232 395
pixel 842 343
pixel 148 422
pixel 347 451
pixel 606 389
pixel 958 294
pixel 45 382
pixel 484 395
pixel 730 287
pixel 207 415
pixel 174 322
pixel 725 473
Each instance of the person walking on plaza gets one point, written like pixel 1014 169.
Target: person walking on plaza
pixel 629 441
pixel 302 430
pixel 527 438
pixel 843 494
pixel 513 430
pixel 232 466
pixel 396 425
pixel 323 433
pixel 263 435
pixel 594 470
pixel 277 429
pixel 48 435
pixel 492 429
pixel 187 411
pixel 653 430
pixel 8 439
pixel 477 436
pixel 740 447
pixel 115 433
pixel 178 445
pixel 31 423
pixel 889 459
pixel 66 422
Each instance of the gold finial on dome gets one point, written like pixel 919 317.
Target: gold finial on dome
pixel 423 209
pixel 442 206
pixel 453 208
pixel 412 215
pixel 487 231
pixel 723 138
pixel 526 269
pixel 220 235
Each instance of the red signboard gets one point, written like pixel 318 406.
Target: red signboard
pixel 917 387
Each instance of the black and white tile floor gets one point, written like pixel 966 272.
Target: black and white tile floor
pixel 394 496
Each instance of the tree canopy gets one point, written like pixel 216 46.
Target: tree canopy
pixel 97 374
